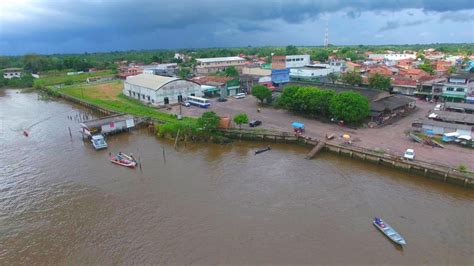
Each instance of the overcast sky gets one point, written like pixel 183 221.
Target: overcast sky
pixel 60 26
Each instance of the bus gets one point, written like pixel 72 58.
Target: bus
pixel 198 101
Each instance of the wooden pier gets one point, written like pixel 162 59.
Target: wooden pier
pixel 317 148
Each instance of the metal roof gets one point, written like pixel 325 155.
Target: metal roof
pixel 430 122
pixel 454 117
pixel 94 123
pixel 219 59
pixel 465 106
pixel 150 81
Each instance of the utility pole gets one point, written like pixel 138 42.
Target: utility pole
pixel 326 35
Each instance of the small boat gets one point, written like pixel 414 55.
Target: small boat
pixel 98 141
pixel 123 160
pixel 389 231
pixel 263 150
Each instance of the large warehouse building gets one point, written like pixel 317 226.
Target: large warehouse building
pixel 159 90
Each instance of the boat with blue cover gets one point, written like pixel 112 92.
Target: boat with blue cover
pixel 389 231
pixel 98 141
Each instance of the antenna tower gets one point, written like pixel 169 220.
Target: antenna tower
pixel 326 36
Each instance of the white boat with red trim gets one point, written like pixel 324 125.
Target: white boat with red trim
pixel 389 231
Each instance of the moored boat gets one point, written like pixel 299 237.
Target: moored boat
pixel 98 142
pixel 263 150
pixel 123 160
pixel 388 231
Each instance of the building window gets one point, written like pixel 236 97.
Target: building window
pixel 167 100
pixel 143 96
pixel 153 101
pixel 449 89
pixel 148 97
pixel 460 89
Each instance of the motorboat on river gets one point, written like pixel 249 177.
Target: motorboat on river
pixel 98 141
pixel 389 231
pixel 123 160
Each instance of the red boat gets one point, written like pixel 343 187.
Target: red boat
pixel 123 160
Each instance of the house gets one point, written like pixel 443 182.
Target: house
pixel 217 86
pixel 405 86
pixel 159 90
pixel 9 73
pixel 430 88
pixel 126 71
pixel 313 72
pixel 161 69
pixel 415 74
pixel 352 67
pixel 441 67
pixel 256 70
pixel 459 107
pixel 380 69
pixel 290 61
pixel 393 56
pixel 216 64
pixel 108 125
pixel 459 88
pixel 440 128
pixel 405 63
pixel 383 105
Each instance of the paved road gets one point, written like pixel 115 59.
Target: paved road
pixel 390 138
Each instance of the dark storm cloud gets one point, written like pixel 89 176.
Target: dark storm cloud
pixel 96 21
pixel 391 24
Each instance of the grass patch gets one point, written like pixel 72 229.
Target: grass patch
pixel 55 78
pixel 109 96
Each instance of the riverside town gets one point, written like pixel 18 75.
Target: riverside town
pixel 256 136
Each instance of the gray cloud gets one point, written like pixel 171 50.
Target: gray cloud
pixel 392 24
pixel 87 21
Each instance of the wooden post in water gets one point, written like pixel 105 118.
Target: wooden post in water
pixel 70 134
pixel 164 157
pixel 176 140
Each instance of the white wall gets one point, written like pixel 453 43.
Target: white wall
pixel 297 60
pixel 170 91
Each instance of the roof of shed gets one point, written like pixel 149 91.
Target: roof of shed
pixel 106 120
pixel 153 82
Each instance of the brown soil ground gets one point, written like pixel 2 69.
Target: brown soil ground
pixel 390 139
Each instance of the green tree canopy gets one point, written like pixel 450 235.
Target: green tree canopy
pixel 291 50
pixel 349 106
pixel 240 119
pixel 183 72
pixel 208 122
pixel 352 78
pixel 379 82
pixel 426 66
pixel 333 77
pixel 231 72
pixel 261 92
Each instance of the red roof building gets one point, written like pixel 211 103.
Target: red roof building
pixel 414 74
pixel 379 69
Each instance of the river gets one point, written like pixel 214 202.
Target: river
pixel 63 202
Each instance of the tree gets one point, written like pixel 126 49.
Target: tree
pixel 379 82
pixel 452 69
pixel 291 50
pixel 184 72
pixel 231 72
pixel 261 92
pixel 320 55
pixel 241 119
pixel 349 106
pixel 333 77
pixel 352 78
pixel 426 66
pixel 208 122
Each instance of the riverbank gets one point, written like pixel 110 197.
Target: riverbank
pixel 108 96
pixel 207 204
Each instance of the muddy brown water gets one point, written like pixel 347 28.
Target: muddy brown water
pixel 63 202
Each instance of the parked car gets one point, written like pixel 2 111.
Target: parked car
pixel 255 123
pixel 240 95
pixel 222 100
pixel 409 154
pixel 438 107
pixel 187 104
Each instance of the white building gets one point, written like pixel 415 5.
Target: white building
pixel 10 73
pixel 392 57
pixel 212 65
pixel 297 60
pixel 314 71
pixel 159 90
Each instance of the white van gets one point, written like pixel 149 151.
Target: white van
pixel 239 95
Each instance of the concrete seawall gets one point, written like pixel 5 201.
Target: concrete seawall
pixel 426 169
